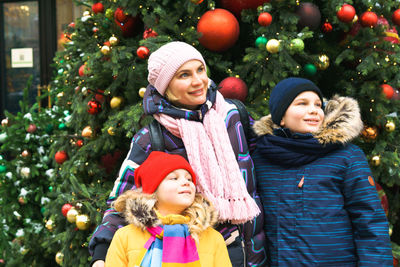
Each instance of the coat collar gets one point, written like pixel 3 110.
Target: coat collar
pixel 138 209
pixel 342 122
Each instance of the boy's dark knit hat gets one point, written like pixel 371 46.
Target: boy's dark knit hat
pixel 156 167
pixel 285 92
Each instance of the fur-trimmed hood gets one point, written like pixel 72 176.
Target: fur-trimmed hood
pixel 138 209
pixel 342 122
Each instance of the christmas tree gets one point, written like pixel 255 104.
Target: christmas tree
pixel 25 168
pixel 347 48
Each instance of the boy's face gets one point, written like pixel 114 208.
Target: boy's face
pixel 305 114
pixel 175 193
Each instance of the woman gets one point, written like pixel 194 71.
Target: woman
pixel 205 129
pixel 316 187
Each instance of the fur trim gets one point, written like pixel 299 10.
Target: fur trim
pixel 342 122
pixel 138 209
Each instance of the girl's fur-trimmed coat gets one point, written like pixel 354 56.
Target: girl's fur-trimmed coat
pixel 138 211
pixel 325 212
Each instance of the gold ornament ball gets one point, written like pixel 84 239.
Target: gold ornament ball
pixel 142 91
pixel 376 161
pixel 86 13
pixel 82 222
pixel 323 62
pixel 50 225
pixel 390 126
pixel 72 215
pixel 113 40
pixel 110 131
pixel 87 132
pixel 116 102
pixel 105 49
pixel 59 257
pixel 273 46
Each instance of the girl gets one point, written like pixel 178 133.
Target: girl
pixel 169 225
pixel 316 187
pixel 198 124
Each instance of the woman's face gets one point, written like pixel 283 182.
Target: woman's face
pixel 188 87
pixel 305 114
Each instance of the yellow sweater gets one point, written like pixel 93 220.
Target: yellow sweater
pixel 129 240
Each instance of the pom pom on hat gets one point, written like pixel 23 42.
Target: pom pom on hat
pixel 156 167
pixel 165 61
pixel 285 92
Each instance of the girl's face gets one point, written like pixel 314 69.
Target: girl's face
pixel 175 193
pixel 188 87
pixel 305 114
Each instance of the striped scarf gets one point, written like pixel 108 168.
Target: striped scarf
pixel 170 245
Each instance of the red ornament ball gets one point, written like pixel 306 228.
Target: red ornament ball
pixel 143 52
pixel 94 107
pixel 369 19
pixel 61 157
pixel 387 90
pixel 31 128
pixel 149 33
pixel 82 70
pixel 128 24
pixel 120 16
pixel 396 17
pixel 79 143
pixel 309 15
pixel 99 96
pixel 65 208
pixel 236 6
pixel 98 8
pixel 264 19
pixel 233 87
pixel 219 30
pixel 71 25
pixel 327 27
pixel 346 13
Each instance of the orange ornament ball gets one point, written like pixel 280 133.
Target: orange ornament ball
pixel 219 30
pixel 387 90
pixel 61 157
pixel 264 19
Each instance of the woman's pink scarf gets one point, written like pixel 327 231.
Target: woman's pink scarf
pixel 211 156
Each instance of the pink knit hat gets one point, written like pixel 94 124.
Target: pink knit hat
pixel 165 61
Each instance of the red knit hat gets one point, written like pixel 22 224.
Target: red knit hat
pixel 156 167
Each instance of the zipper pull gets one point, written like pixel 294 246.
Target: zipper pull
pixel 301 183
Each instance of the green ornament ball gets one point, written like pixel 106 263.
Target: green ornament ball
pixel 62 126
pixel 62 61
pixel 50 189
pixel 297 45
pixel 49 128
pixel 3 168
pixel 310 69
pixel 42 210
pixel 261 42
pixel 46 159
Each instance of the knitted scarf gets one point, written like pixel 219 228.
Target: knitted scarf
pixel 211 156
pixel 170 245
pixel 289 149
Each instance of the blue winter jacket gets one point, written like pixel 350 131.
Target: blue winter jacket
pixel 320 203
